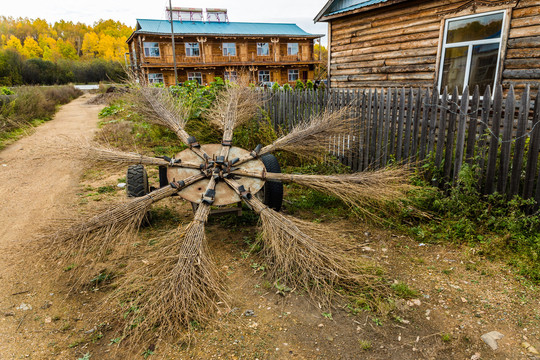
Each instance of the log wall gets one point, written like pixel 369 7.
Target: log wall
pixel 399 45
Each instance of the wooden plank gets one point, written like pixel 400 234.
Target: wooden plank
pixel 408 126
pixel 433 120
pixel 506 145
pixel 367 128
pixel 519 145
pixel 425 120
pixel 441 134
pixel 483 135
pixel 473 123
pixel 361 138
pixel 416 123
pixel 460 140
pixel 374 126
pixel 494 139
pixel 380 126
pixel 449 152
pixel 393 122
pixel 534 147
pixel 399 145
pixel 386 129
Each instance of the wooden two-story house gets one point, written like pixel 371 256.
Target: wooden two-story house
pixel 268 52
pixel 432 43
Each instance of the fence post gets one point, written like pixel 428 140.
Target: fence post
pixel 494 139
pixel 460 140
pixel 473 123
pixel 534 147
pixel 448 154
pixel 399 150
pixel 483 136
pixel 519 146
pixel 506 145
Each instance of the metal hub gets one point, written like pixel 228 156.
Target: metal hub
pixel 224 194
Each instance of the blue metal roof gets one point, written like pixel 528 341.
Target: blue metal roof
pixel 356 6
pixel 222 28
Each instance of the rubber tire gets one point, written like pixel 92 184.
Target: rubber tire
pixel 137 181
pixel 272 191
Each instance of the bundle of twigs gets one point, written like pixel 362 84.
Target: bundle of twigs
pixel 94 237
pixel 179 284
pixel 161 107
pixel 234 106
pixel 358 189
pixel 312 137
pixel 314 263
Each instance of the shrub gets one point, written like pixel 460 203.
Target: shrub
pixel 309 85
pixel 299 85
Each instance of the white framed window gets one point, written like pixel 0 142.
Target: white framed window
pixel 231 76
pixel 292 49
pixel 294 74
pixel 471 51
pixel 229 49
pixel 263 49
pixel 197 76
pixel 264 76
pixel 192 49
pixel 151 49
pixel 155 78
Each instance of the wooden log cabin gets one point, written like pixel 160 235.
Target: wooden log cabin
pixel 432 43
pixel 206 49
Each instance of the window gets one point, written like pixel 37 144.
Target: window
pixel 263 49
pixel 264 76
pixel 231 76
pixel 151 49
pixel 471 51
pixel 292 49
pixel 192 49
pixel 293 75
pixel 229 49
pixel 155 78
pixel 197 76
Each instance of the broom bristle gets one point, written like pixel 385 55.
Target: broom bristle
pixel 312 137
pixel 161 107
pixel 234 106
pixel 86 243
pixel 314 263
pixel 364 191
pixel 178 286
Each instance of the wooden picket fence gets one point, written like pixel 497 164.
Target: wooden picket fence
pixel 495 133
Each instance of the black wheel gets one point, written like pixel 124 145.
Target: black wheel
pixel 272 192
pixel 136 181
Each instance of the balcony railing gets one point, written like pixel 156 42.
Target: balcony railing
pixel 218 59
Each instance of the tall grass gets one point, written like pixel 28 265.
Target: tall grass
pixel 30 105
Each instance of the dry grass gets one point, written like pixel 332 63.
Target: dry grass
pixel 312 137
pixel 177 286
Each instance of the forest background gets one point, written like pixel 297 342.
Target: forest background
pixel 36 52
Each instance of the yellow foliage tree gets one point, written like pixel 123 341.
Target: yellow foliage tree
pixel 31 48
pixel 90 44
pixel 14 44
pixel 50 49
pixel 106 47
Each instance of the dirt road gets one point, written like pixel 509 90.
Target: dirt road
pixel 34 188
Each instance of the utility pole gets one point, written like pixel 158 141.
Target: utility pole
pixel 173 48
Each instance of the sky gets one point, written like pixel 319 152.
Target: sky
pixel 300 12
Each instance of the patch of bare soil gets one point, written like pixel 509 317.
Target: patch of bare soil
pixel 460 295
